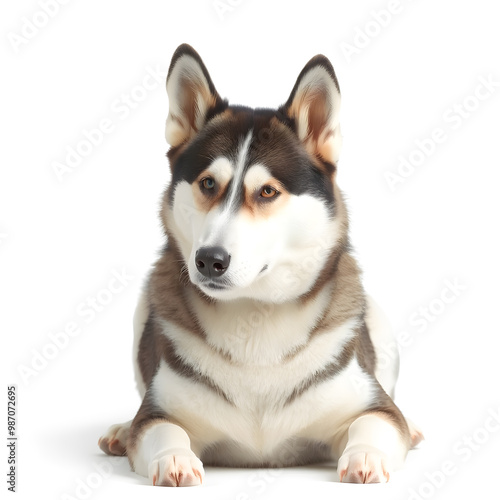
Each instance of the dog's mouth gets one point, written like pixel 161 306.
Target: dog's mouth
pixel 213 285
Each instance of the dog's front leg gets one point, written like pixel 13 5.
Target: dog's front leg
pixel 376 445
pixel 161 450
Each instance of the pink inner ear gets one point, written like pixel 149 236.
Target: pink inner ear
pixel 312 109
pixel 192 96
pixel 314 105
pixel 189 105
pixel 317 114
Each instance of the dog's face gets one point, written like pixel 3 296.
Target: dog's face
pixel 253 204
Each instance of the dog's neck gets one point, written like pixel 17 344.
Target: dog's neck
pixel 259 333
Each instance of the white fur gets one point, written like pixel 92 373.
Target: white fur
pixel 374 449
pixel 259 423
pixel 386 348
pixel 257 333
pixel 164 455
pixel 256 177
pixel 238 172
pixel 247 370
pixel 249 367
pixel 252 374
pixel 221 170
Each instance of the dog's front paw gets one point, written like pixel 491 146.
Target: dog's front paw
pixel 176 470
pixel 363 467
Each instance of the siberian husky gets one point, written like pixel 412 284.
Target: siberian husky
pixel 254 342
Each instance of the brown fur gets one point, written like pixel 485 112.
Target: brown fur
pixel 167 290
pixel 340 265
pixel 149 354
pixel 327 373
pixel 175 362
pixel 347 299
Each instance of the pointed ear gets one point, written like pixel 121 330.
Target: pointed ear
pixel 314 106
pixel 191 94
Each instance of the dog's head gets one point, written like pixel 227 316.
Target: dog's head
pixel 253 205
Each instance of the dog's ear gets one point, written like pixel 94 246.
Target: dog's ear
pixel 313 107
pixel 191 94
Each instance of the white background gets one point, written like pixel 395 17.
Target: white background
pixel 61 240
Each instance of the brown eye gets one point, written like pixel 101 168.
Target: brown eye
pixel 208 183
pixel 268 192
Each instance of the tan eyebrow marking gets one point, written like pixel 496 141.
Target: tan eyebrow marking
pixel 222 172
pixel 256 178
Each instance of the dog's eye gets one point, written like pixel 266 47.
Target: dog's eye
pixel 208 183
pixel 269 192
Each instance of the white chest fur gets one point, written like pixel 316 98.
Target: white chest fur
pixel 258 357
pixel 257 333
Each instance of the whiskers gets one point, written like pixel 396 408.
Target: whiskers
pixel 184 274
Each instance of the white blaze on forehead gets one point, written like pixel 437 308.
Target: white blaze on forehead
pixel 216 222
pixel 238 170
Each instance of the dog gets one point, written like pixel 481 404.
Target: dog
pixel 255 344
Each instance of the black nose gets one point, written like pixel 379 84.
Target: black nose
pixel 212 261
